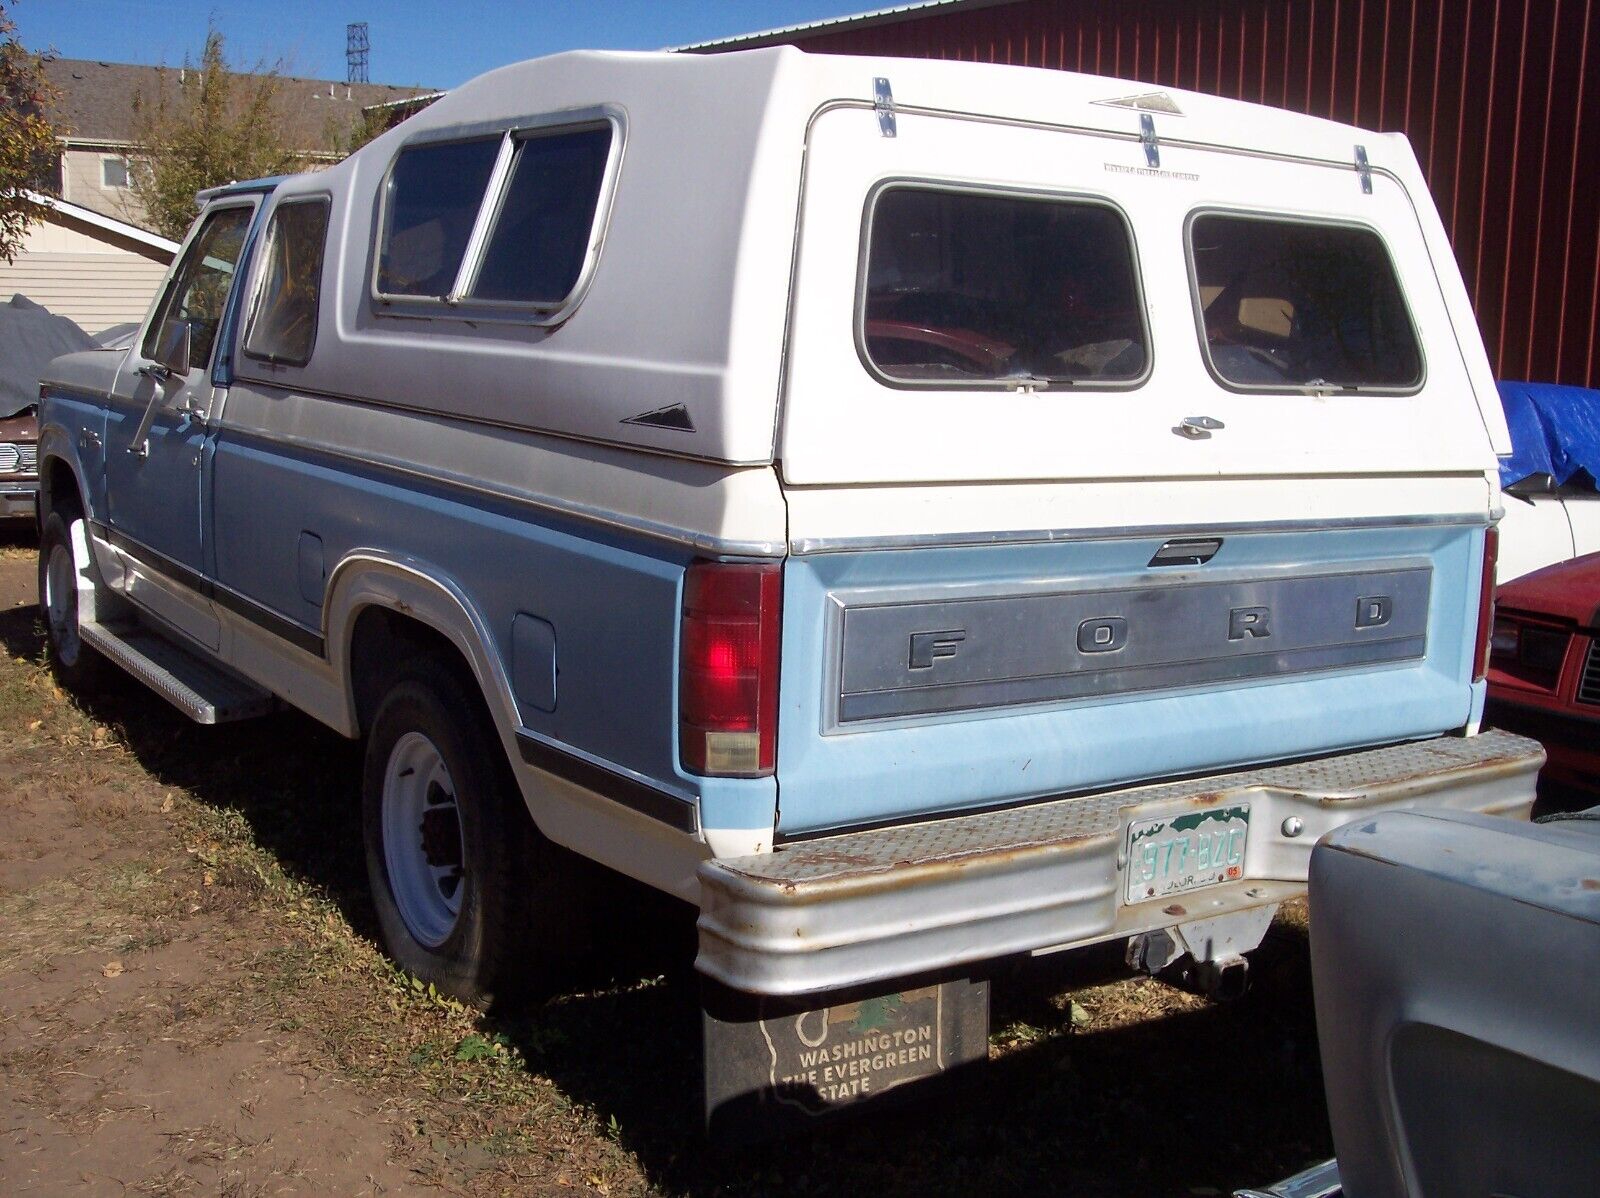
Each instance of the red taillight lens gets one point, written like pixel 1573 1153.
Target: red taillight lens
pixel 728 679
pixel 1491 552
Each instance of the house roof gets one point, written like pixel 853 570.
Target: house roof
pixel 877 16
pixel 99 220
pixel 95 102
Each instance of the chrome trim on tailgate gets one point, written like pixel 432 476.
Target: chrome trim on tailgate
pixel 889 903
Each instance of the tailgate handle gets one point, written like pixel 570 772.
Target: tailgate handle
pixel 1192 551
pixel 1197 428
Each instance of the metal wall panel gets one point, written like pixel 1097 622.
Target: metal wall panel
pixel 1492 93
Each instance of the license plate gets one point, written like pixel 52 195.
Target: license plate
pixel 1172 854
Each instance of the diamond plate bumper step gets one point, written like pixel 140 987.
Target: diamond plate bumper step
pixel 203 691
pixel 893 902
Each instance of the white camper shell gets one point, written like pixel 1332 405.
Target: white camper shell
pixel 877 501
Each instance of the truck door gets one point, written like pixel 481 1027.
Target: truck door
pixel 158 423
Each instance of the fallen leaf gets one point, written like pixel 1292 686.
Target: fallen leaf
pixel 36 725
pixel 166 805
pixel 208 878
pixel 112 969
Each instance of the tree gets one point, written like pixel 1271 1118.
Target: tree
pixel 28 145
pixel 201 129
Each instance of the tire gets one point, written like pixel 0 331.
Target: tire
pixel 62 571
pixel 456 866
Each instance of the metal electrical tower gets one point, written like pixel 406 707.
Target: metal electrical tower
pixel 355 52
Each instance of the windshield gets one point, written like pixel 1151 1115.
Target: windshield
pixel 1298 304
pixel 983 288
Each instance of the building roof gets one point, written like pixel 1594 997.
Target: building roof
pixel 95 102
pixel 861 20
pixel 108 224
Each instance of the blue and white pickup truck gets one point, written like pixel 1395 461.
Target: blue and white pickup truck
pixel 917 512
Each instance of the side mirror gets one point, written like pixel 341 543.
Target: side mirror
pixel 172 352
pixel 1535 484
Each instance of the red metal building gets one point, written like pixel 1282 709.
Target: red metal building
pixel 1500 98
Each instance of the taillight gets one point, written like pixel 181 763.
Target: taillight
pixel 728 674
pixel 1491 551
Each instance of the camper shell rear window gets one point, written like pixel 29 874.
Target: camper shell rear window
pixel 508 220
pixel 1289 304
pixel 967 287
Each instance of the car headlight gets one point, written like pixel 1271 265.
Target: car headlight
pixel 1505 640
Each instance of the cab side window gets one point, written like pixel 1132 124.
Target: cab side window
pixel 284 325
pixel 199 290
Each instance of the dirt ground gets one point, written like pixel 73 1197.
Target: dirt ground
pixel 190 1002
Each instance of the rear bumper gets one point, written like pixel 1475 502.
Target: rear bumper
pixel 16 498
pixel 896 902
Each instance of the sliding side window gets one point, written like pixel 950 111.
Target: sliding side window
pixel 543 230
pixel 430 206
pixel 974 288
pixel 1300 305
pixel 284 327
pixel 493 223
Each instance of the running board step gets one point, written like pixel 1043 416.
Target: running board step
pixel 203 691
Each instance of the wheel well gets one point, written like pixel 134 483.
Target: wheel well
pixel 58 487
pixel 383 644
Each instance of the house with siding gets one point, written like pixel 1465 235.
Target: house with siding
pixel 96 106
pixel 94 269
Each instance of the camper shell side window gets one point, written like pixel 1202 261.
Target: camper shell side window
pixel 997 289
pixel 1288 303
pixel 506 223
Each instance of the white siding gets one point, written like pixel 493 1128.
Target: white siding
pixel 96 290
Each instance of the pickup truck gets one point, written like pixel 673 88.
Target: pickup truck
pixel 917 512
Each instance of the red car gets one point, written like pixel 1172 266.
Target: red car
pixel 1544 667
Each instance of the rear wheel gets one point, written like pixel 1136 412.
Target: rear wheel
pixel 65 572
pixel 456 865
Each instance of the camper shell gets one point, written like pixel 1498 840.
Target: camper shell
pixel 717 418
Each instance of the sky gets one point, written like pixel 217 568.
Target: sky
pixel 435 43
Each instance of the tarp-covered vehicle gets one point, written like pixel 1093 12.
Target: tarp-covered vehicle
pixel 30 336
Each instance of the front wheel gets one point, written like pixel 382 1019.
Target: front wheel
pixel 453 858
pixel 64 571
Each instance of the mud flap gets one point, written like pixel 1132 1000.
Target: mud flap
pixel 777 1066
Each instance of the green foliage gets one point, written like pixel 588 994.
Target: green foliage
pixel 28 146
pixel 205 127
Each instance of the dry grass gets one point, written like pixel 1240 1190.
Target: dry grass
pixel 231 863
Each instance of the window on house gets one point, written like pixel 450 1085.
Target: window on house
pixel 432 202
pixel 970 288
pixel 542 233
pixel 284 326
pixel 114 172
pixel 1301 305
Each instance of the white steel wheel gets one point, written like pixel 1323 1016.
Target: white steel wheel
pixel 65 570
pixel 61 603
pixel 422 841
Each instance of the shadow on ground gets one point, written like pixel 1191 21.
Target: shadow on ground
pixel 1190 1103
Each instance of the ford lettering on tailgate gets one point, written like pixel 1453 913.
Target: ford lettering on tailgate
pixel 915 658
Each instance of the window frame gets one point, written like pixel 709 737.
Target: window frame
pixel 1294 218
pixel 459 304
pixel 258 283
pixel 127 172
pixel 955 187
pixel 156 317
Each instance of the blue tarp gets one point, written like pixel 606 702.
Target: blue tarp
pixel 1554 430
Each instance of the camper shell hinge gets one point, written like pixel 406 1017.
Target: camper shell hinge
pixel 883 105
pixel 1364 169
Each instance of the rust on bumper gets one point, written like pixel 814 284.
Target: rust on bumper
pixel 891 902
